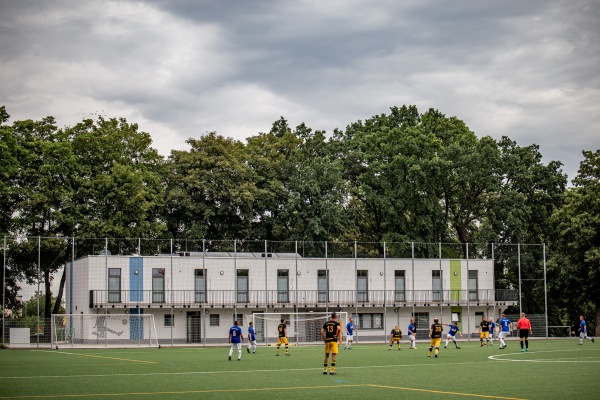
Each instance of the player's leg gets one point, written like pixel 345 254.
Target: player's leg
pixel 333 358
pixel 230 351
pixel 325 361
pixel 447 340
pixel 287 353
pixel 239 349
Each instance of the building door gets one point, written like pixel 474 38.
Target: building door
pixel 322 286
pixel 194 326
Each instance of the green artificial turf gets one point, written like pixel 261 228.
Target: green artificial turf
pixel 552 369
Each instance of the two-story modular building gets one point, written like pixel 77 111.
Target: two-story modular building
pixel 196 296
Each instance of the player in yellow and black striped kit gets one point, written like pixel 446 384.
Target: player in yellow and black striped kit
pixel 395 336
pixel 330 334
pixel 435 334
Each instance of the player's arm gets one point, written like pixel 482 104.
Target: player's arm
pixel 322 334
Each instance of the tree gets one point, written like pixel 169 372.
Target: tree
pixel 45 205
pixel 315 191
pixel 119 181
pixel 211 190
pixel 574 267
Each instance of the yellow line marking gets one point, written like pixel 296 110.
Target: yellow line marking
pixel 108 358
pixel 443 392
pixel 182 392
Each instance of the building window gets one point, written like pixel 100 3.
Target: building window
pixel 239 318
pixel 169 320
pixel 400 285
pixel 362 285
pixel 422 323
pixel 436 284
pixel 283 286
pixel 369 320
pixel 214 319
pixel 199 286
pixel 322 286
pixel 158 285
pixel 242 285
pixel 473 289
pixel 114 285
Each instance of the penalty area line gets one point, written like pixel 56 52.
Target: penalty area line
pixel 485 396
pixel 62 396
pixel 104 357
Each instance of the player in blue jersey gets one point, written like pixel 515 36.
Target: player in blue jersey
pixel 454 329
pixel 505 329
pixel 583 333
pixel 236 338
pixel 251 338
pixel 492 330
pixel 349 334
pixel 412 334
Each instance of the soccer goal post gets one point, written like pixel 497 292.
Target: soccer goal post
pixel 103 330
pixel 302 328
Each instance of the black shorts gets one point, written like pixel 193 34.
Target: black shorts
pixel 524 333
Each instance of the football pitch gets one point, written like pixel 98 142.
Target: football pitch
pixel 552 369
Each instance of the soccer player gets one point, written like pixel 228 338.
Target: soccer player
pixel 484 332
pixel 236 338
pixel 251 338
pixel 282 339
pixel 435 334
pixel 454 329
pixel 412 334
pixel 329 333
pixel 524 327
pixel 349 334
pixel 583 331
pixel 492 329
pixel 505 328
pixel 395 336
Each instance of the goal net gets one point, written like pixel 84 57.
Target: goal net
pixel 301 327
pixel 103 330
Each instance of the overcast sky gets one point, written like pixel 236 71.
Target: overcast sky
pixel 529 70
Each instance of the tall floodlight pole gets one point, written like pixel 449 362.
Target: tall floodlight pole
pixel 327 275
pixel 468 299
pixel 3 288
pixel 412 260
pixel 384 287
pixel 38 288
pixel 441 298
pixel 172 295
pixel 519 264
pixel 545 291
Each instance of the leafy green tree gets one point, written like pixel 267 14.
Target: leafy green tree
pixel 120 189
pixel 267 155
pixel 519 212
pixel 44 206
pixel 211 190
pixel 574 267
pixel 9 167
pixel 315 191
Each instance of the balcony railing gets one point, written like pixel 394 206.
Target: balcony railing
pixel 300 298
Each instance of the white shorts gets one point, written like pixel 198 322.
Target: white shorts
pixel 350 337
pixel 412 338
pixel 451 337
pixel 236 346
pixel 503 334
pixel 582 335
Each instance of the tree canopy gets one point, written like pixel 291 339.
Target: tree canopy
pixel 401 176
